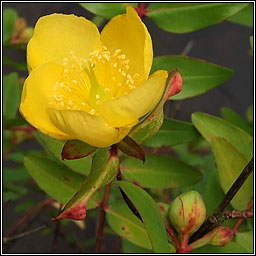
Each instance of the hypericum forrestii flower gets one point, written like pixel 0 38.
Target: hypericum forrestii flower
pixel 90 86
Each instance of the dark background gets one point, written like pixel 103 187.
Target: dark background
pixel 225 44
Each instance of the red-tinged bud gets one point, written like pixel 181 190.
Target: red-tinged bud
pixel 175 84
pixel 19 25
pixel 78 212
pixel 222 236
pixel 26 34
pixel 187 213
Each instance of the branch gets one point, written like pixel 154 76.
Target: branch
pixel 102 218
pixel 239 222
pixel 217 217
pixel 8 239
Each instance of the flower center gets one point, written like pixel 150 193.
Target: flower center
pixel 87 83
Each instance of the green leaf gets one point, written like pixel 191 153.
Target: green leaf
pixel 129 147
pixel 249 114
pixel 12 192
pixel 231 116
pixel 56 180
pixel 75 149
pixel 213 192
pixel 15 174
pixel 189 17
pixel 231 247
pixel 54 146
pixel 128 247
pixel 97 20
pixel 127 225
pixel 172 132
pixel 105 165
pixel 14 122
pixel 11 98
pixel 160 171
pixel 106 10
pixel 15 64
pixel 198 76
pixel 211 126
pixel 230 163
pixel 245 239
pixel 251 43
pixel 243 17
pixel 9 17
pixel 150 214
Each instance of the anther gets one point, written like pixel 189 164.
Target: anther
pixel 97 96
pixel 117 51
pixel 92 112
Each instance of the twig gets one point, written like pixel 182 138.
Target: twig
pixel 7 239
pixel 56 233
pixel 237 214
pixel 217 217
pixel 239 222
pixel 104 205
pixel 187 48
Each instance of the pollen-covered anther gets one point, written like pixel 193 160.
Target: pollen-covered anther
pixel 74 81
pixel 70 102
pixel 97 96
pixel 123 73
pixel 117 51
pixel 92 111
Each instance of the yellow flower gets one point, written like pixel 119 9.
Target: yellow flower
pixel 90 86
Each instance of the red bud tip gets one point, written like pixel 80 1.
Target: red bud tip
pixel 78 212
pixel 175 85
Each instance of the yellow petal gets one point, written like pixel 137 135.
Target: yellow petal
pixel 88 128
pixel 56 35
pixel 128 108
pixel 36 95
pixel 128 33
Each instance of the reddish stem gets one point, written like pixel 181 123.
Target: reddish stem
pixel 183 243
pixel 240 221
pixel 142 11
pixel 104 205
pixel 173 236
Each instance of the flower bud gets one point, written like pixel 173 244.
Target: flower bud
pixel 187 212
pixel 222 236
